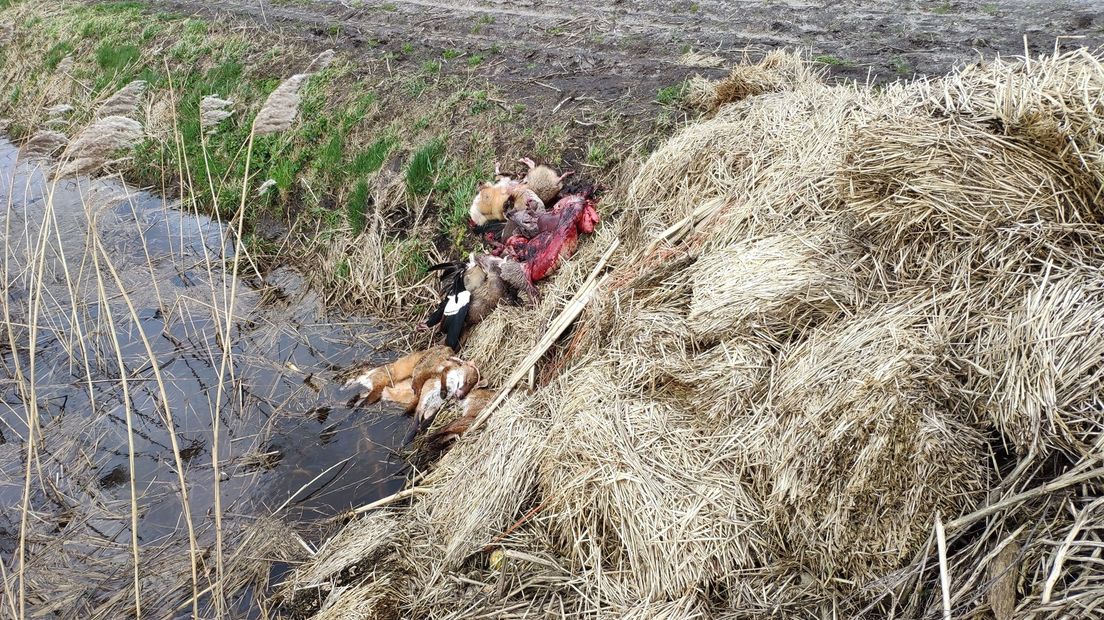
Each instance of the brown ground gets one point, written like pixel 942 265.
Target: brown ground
pixel 601 51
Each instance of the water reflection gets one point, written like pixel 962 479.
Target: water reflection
pixel 96 275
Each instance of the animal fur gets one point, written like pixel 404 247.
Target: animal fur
pixel 474 404
pixel 484 280
pixel 373 380
pixel 493 200
pixel 514 274
pixel 401 393
pixel 434 361
pixel 543 180
pixel 454 380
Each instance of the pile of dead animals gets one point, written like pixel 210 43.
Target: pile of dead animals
pixel 529 228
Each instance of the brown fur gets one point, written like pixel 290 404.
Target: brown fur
pixel 435 392
pixel 486 287
pixel 434 361
pixel 374 380
pixel 401 393
pixel 545 182
pixel 476 401
pixel 490 204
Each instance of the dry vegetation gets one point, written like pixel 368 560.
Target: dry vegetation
pixel 846 362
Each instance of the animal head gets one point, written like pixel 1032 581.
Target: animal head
pixel 490 197
pixel 460 378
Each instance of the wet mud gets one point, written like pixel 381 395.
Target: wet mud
pixel 568 55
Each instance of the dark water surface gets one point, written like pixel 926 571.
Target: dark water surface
pixel 286 440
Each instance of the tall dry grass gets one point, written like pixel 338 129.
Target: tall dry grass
pixel 68 297
pixel 843 364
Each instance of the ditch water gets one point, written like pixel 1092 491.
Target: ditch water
pixel 92 276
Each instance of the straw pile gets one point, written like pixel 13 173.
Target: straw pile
pixel 838 317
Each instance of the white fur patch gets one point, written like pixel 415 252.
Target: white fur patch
pixel 430 400
pixel 476 215
pixel 456 302
pixel 364 380
pixel 454 380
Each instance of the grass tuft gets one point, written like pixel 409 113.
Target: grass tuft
pixel 372 158
pixel 425 166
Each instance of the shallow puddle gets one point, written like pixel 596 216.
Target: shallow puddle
pixel 97 276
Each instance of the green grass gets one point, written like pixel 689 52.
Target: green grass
pixel 450 54
pixel 372 158
pixel 332 152
pixel 407 49
pixel 671 95
pixel 424 167
pixel 901 66
pixel 598 154
pixel 989 9
pixel 480 102
pixel 475 60
pixel 431 67
pixel 832 61
pixel 412 263
pixel 114 59
pixel 356 207
pixel 56 54
pixel 942 9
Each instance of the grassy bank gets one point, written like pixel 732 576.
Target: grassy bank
pixel 369 185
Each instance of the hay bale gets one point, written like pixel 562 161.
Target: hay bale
pixel 498 467
pixel 726 437
pixel 768 163
pixel 723 381
pixel 775 286
pixel 635 490
pixel 1050 101
pixel 360 572
pixel 913 178
pixel 858 449
pixel 1039 376
pixel 777 71
pixel 502 340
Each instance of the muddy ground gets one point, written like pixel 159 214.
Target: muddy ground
pixel 590 57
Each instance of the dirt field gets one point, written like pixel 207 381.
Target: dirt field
pixel 590 54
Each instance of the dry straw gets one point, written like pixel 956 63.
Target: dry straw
pixel 835 313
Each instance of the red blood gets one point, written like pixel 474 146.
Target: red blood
pixel 558 236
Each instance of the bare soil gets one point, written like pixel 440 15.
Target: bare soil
pixel 572 54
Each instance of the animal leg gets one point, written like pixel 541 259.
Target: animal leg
pixel 565 175
pixel 528 162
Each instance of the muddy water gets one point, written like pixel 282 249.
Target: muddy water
pixel 76 350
